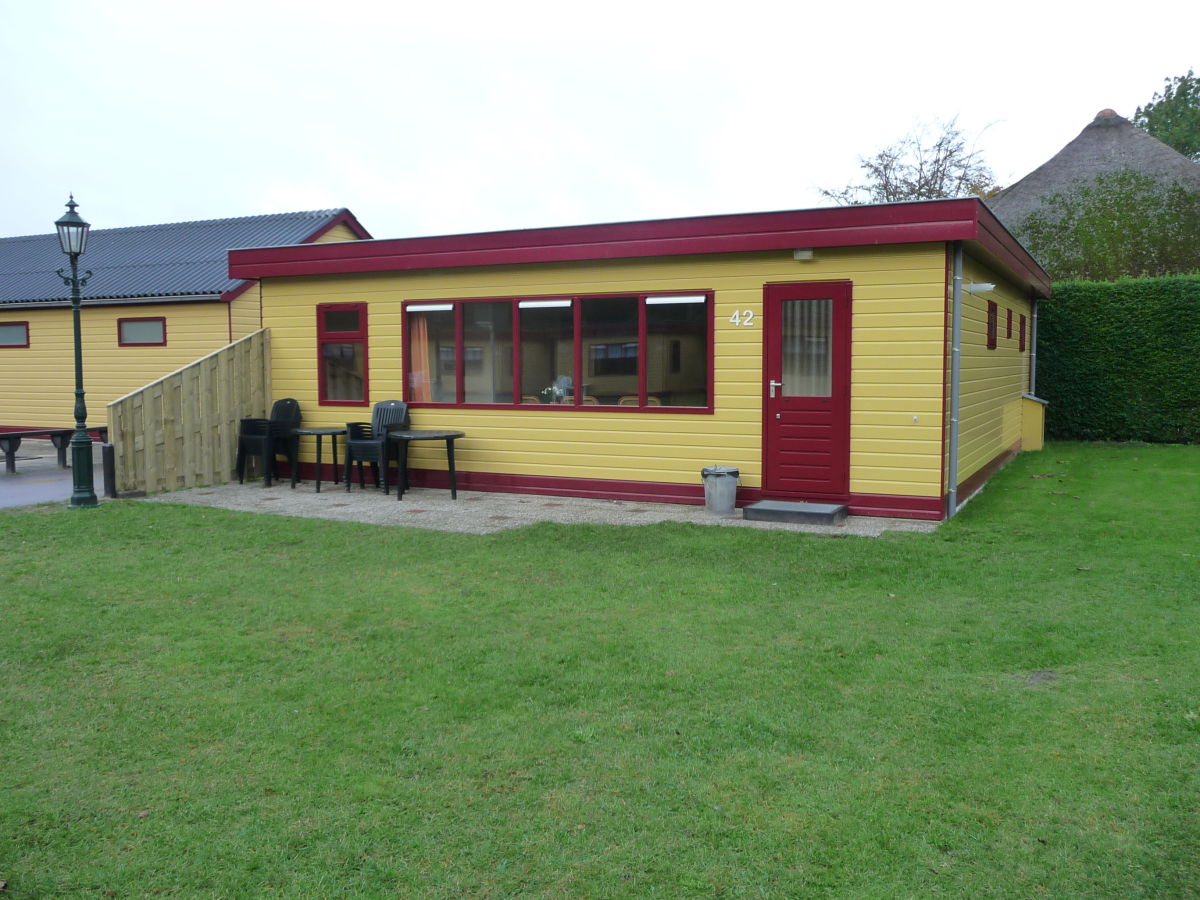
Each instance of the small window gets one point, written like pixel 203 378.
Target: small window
pixel 342 354
pixel 14 334
pixel 993 315
pixel 1008 327
pixel 145 332
pixel 1021 334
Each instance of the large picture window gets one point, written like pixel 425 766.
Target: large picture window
pixel 342 353
pixel 629 351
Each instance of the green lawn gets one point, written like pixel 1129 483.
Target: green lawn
pixel 195 702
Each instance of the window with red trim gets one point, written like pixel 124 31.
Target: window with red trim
pixel 1021 333
pixel 993 315
pixel 148 331
pixel 14 334
pixel 342 354
pixel 628 351
pixel 1008 327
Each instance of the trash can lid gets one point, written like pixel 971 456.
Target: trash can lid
pixel 719 470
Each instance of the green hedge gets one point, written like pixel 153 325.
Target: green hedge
pixel 1120 360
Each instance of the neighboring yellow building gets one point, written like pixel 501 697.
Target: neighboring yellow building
pixel 158 298
pixel 814 350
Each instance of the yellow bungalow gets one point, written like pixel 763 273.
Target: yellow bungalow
pixel 874 357
pixel 158 298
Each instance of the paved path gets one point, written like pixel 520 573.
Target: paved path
pixel 479 512
pixel 39 479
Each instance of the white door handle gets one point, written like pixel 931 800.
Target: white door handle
pixel 772 385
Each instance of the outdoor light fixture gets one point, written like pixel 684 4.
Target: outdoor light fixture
pixel 802 254
pixel 983 287
pixel 72 237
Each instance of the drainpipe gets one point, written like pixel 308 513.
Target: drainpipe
pixel 1033 347
pixel 955 366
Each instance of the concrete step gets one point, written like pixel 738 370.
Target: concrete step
pixel 796 513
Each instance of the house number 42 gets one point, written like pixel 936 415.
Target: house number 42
pixel 743 317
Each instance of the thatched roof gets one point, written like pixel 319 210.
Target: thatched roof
pixel 1110 143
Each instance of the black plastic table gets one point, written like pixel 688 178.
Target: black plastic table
pixel 402 439
pixel 320 434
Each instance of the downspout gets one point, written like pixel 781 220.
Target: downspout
pixel 955 366
pixel 1033 346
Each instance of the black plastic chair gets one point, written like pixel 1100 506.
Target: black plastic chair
pixel 367 442
pixel 267 438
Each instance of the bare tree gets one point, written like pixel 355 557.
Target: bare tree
pixel 931 163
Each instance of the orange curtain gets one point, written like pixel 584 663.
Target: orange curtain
pixel 421 386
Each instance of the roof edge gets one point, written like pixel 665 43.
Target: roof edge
pixel 894 223
pixel 137 300
pixel 343 217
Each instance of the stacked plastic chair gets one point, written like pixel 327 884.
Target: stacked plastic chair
pixel 367 442
pixel 268 438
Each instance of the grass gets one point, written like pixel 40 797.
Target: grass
pixel 204 703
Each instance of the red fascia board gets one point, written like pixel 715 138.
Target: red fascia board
pixel 275 262
pixel 902 223
pixel 1000 243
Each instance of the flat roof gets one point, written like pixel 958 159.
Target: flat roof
pixel 967 220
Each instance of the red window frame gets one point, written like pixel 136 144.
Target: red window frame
pixel 580 362
pixel 121 342
pixel 1008 327
pixel 16 346
pixel 357 336
pixel 1021 333
pixel 993 316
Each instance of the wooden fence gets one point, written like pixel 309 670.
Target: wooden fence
pixel 181 431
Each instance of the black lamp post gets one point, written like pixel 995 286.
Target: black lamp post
pixel 72 237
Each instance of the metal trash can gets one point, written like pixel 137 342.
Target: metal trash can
pixel 720 489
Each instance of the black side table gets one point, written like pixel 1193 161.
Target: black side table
pixel 319 434
pixel 402 438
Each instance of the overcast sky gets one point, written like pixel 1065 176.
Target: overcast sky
pixel 434 118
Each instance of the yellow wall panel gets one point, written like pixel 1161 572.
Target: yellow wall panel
pixel 37 383
pixel 245 313
pixel 992 381
pixel 899 325
pixel 337 233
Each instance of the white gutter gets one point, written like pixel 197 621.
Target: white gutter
pixel 110 301
pixel 955 387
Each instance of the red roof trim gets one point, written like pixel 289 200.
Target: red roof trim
pixel 900 223
pixel 233 293
pixel 344 217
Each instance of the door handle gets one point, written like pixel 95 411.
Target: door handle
pixel 772 385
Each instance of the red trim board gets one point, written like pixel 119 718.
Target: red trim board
pixel 896 223
pixel 637 491
pixel 970 485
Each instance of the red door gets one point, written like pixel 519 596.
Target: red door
pixel 806 390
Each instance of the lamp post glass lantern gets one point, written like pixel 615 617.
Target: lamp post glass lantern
pixel 72 237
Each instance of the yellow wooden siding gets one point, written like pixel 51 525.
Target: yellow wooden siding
pixel 37 383
pixel 992 381
pixel 898 305
pixel 337 233
pixel 245 312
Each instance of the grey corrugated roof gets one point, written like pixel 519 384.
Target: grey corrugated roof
pixel 179 259
pixel 1109 143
